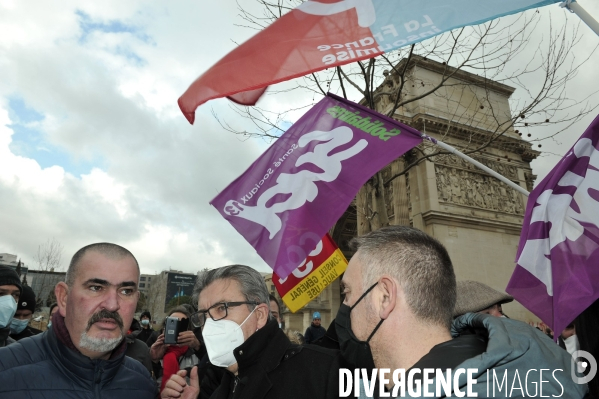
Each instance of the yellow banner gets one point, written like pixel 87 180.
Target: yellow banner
pixel 315 282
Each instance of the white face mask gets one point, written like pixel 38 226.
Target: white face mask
pixel 221 338
pixel 8 308
pixel 572 344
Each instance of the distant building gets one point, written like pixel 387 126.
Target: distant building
pixel 145 282
pixel 163 291
pixel 474 215
pixel 42 283
pixel 11 261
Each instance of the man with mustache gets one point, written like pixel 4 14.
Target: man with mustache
pixel 83 354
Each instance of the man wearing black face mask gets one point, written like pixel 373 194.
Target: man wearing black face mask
pixel 400 292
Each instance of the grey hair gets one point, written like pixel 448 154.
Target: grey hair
pixel 250 281
pixel 100 345
pixel 109 250
pixel 419 262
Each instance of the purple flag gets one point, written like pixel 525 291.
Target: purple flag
pixel 295 192
pixel 557 275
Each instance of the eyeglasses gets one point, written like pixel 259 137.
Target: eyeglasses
pixel 217 312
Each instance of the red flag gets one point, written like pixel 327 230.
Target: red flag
pixel 323 266
pixel 320 34
pixel 285 50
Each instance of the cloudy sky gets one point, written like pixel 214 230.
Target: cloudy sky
pixel 94 148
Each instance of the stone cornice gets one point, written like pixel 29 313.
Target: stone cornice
pixel 438 127
pixel 472 222
pixel 442 69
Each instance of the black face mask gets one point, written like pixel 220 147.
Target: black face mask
pixel 354 351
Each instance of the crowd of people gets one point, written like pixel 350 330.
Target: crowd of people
pixel 402 309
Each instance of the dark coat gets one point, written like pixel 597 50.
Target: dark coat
pixel 144 335
pixel 314 333
pixel 27 332
pixel 330 339
pixel 210 377
pixel 42 367
pixel 271 367
pixel 5 339
pixel 139 351
pixel 153 337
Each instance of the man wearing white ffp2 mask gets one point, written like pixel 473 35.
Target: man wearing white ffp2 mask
pixel 10 291
pixel 242 336
pixel 221 338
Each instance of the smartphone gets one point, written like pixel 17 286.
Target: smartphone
pixel 173 328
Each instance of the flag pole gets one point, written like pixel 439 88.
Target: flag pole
pixel 582 14
pixel 475 162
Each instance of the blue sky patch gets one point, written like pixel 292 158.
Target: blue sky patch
pixel 88 26
pixel 30 142
pixel 283 125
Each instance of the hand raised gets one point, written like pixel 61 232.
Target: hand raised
pixel 188 338
pixel 158 349
pixel 176 386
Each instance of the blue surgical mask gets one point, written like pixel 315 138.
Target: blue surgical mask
pixel 8 307
pixel 145 322
pixel 17 325
pixel 49 324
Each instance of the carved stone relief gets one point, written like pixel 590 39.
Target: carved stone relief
pixel 477 190
pixel 408 192
pixel 530 180
pixel 509 171
pixel 386 172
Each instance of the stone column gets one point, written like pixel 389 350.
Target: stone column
pixel 380 201
pixel 362 212
pixel 400 194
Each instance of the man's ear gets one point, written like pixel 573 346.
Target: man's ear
pixel 262 314
pixel 388 295
pixel 61 291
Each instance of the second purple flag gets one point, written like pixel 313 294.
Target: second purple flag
pixel 289 198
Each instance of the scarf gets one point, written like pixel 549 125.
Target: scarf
pixel 170 362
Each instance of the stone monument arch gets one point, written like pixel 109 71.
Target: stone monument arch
pixel 477 217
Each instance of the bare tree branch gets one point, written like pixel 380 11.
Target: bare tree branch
pixel 497 52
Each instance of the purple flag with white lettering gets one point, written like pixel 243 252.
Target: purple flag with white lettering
pixel 294 193
pixel 557 275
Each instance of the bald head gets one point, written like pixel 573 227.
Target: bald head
pixel 109 250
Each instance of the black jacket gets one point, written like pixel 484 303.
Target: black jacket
pixel 139 351
pixel 144 335
pixel 330 339
pixel 27 332
pixel 314 333
pixel 271 367
pixel 5 339
pixel 153 337
pixel 42 367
